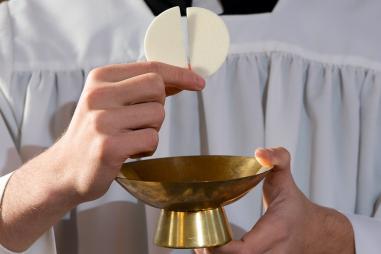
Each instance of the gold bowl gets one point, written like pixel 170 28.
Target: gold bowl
pixel 191 191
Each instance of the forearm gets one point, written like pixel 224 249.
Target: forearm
pixel 35 198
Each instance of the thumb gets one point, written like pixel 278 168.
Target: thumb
pixel 279 158
pixel 279 178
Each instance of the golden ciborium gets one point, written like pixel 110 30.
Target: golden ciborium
pixel 191 191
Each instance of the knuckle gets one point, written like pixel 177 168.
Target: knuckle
pixel 157 87
pixel 95 95
pixel 154 79
pixel 152 137
pixel 83 189
pixel 104 148
pixel 87 191
pixel 159 112
pixel 284 153
pixel 99 120
pixel 153 66
pixel 97 117
pixel 97 74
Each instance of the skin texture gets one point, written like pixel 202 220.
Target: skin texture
pixel 118 116
pixel 292 224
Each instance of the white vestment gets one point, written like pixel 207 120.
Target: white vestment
pixel 306 77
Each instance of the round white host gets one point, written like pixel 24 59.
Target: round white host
pixel 164 41
pixel 208 40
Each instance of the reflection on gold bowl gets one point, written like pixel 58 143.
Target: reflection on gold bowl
pixel 191 191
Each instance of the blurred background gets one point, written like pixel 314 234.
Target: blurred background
pixel 227 7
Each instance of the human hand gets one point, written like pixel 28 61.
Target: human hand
pixel 292 223
pixel 118 116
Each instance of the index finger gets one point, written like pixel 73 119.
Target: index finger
pixel 173 76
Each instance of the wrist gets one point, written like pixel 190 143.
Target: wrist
pixel 35 198
pixel 63 183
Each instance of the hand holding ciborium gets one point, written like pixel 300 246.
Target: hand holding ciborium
pixel 190 191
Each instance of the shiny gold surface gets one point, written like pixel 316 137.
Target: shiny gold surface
pixel 191 191
pixel 203 228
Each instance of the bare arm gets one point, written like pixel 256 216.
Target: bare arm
pixel 118 116
pixel 34 199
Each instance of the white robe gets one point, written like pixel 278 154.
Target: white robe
pixel 307 77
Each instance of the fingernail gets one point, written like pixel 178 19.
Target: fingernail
pixel 263 156
pixel 200 81
pixel 260 150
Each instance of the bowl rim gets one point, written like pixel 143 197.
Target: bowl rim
pixel 120 176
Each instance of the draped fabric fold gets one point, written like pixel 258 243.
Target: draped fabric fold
pixel 326 115
pixel 280 86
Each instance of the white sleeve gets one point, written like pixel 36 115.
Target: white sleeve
pixel 10 159
pixel 367 231
pixel 45 244
pixel 3 184
pixel 9 156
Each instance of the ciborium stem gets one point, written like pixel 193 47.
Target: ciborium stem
pixel 191 230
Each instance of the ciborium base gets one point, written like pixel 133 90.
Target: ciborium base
pixel 191 230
